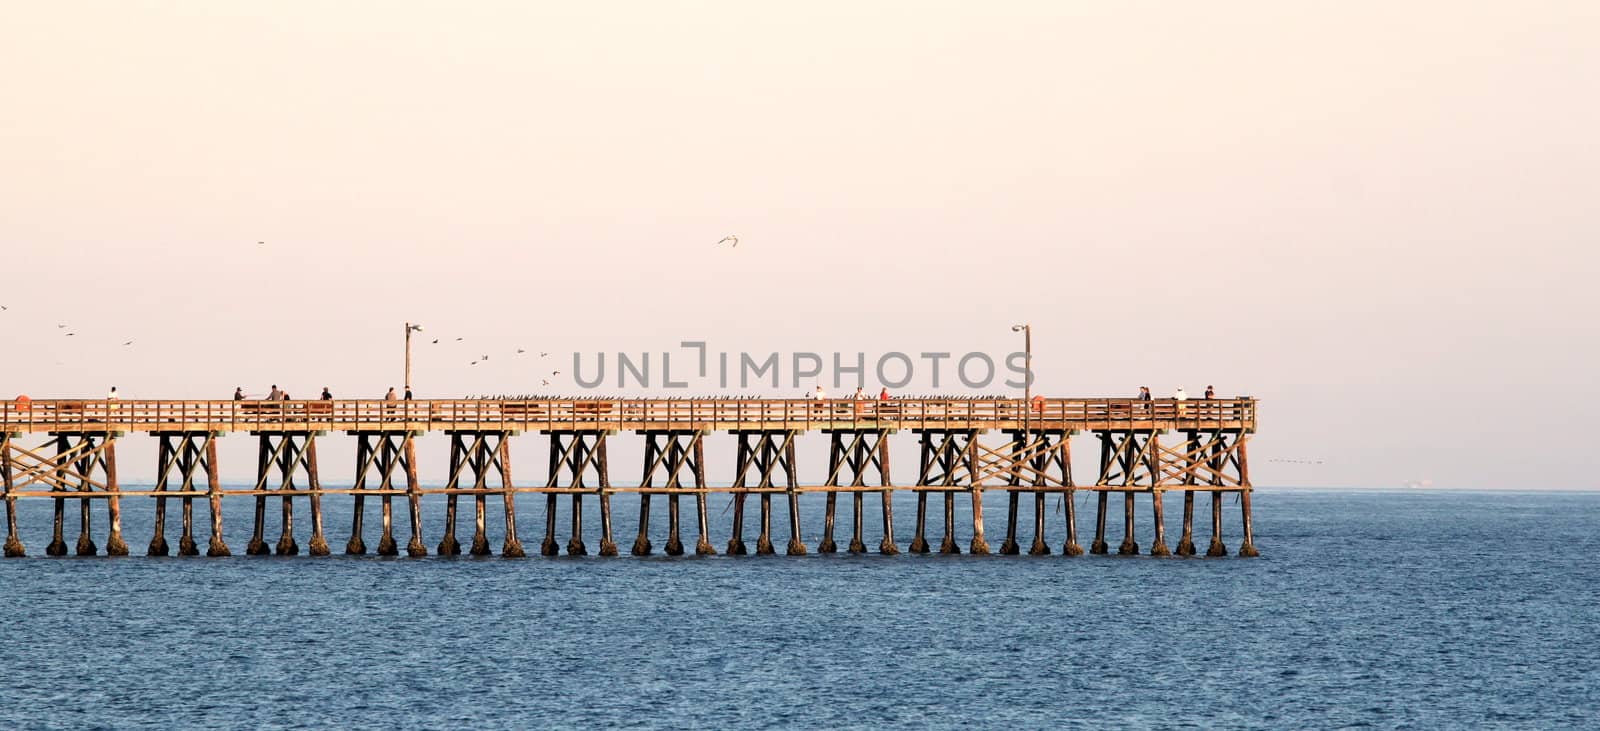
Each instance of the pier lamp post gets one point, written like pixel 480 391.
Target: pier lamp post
pixel 1027 383
pixel 410 328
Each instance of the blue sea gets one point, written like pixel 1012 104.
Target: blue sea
pixel 1422 609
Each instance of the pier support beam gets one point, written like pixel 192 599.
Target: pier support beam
pixel 578 461
pixel 857 458
pixel 216 547
pixel 761 454
pixel 83 463
pixel 950 460
pixel 13 546
pixel 180 455
pixel 281 456
pixel 1247 546
pixel 1036 458
pixel 668 455
pixel 478 455
pixel 380 455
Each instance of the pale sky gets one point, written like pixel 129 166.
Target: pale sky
pixel 1379 218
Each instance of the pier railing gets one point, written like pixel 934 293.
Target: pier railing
pixel 64 415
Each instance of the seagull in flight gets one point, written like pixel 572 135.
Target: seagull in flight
pixel 544 381
pixel 435 341
pixel 61 327
pixel 541 355
pixel 730 237
pixel 520 351
pixel 130 342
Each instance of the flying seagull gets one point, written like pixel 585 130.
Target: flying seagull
pixel 730 237
pixel 555 373
pixel 130 342
pixel 544 381
pixel 435 341
pixel 458 340
pixel 541 355
pixel 521 351
pixel 61 327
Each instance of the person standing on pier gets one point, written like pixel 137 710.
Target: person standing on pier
pixel 326 394
pixel 1180 396
pixel 408 393
pixel 112 396
pixel 274 394
pixel 390 396
pixel 1211 393
pixel 238 393
pixel 883 394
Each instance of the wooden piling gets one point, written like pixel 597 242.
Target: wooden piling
pixel 979 545
pixel 258 543
pixel 1247 545
pixel 830 507
pixel 1009 546
pixel 797 546
pixel 511 545
pixel 608 544
pixel 1158 544
pixel 166 458
pixel 919 541
pixel 736 545
pixel 13 546
pixel 479 462
pixel 887 546
pixel 115 545
pixel 856 544
pixel 674 545
pixel 186 542
pixel 1217 548
pixel 1099 546
pixel 415 548
pixel 448 545
pixel 702 545
pixel 1071 547
pixel 641 543
pixel 288 456
pixel 764 541
pixel 216 547
pixel 365 456
pixel 1186 541
pixel 1039 547
pixel 390 457
pixel 318 545
pixel 948 545
pixel 1129 547
pixel 85 545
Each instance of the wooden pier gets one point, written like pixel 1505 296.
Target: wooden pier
pixel 67 450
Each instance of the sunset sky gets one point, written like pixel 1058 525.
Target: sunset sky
pixel 1378 218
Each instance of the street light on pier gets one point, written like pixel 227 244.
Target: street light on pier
pixel 410 328
pixel 1027 382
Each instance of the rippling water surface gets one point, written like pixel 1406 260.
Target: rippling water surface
pixel 1421 609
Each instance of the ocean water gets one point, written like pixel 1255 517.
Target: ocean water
pixel 1422 609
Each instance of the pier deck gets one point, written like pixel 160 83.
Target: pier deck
pixel 1138 455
